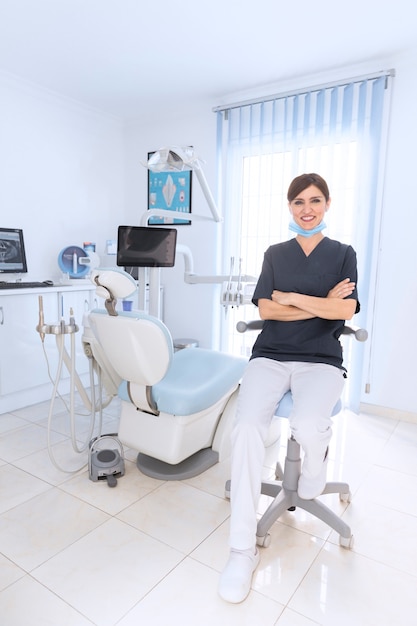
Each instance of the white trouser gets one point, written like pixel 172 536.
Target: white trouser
pixel 316 388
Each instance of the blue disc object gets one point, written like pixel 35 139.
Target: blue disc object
pixel 68 261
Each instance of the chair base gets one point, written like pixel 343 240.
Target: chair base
pixel 193 466
pixel 286 498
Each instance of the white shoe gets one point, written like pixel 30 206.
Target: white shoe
pixel 236 578
pixel 309 486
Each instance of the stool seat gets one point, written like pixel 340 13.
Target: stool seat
pixel 284 406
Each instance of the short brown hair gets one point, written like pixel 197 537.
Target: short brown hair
pixel 305 180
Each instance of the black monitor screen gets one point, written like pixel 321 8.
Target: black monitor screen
pixel 142 246
pixel 12 251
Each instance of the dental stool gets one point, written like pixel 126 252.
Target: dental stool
pixel 176 407
pixel 285 493
pixel 284 488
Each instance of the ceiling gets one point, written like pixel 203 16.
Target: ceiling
pixel 132 57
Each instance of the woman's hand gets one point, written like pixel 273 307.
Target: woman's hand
pixel 342 289
pixel 281 297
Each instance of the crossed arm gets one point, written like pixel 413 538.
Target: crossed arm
pixel 290 306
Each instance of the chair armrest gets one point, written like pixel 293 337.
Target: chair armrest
pixel 360 334
pixel 242 327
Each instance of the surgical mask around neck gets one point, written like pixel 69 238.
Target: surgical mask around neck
pixel 306 233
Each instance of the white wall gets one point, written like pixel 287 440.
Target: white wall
pixel 190 311
pixel 62 174
pixel 69 174
pixel 393 379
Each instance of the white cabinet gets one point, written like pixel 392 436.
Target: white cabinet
pixel 22 363
pixel 24 376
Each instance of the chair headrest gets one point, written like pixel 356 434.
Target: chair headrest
pixel 113 283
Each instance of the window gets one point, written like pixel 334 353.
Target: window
pixel 336 130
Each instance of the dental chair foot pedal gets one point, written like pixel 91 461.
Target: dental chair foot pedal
pixel 193 466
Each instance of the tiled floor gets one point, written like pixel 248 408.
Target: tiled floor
pixel 74 552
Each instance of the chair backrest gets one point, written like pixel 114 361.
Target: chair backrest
pixel 138 346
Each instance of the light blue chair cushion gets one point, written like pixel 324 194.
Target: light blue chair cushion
pixel 285 405
pixel 196 379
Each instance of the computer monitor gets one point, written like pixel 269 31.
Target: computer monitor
pixel 12 251
pixel 146 246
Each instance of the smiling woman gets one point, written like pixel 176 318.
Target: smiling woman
pixel 305 292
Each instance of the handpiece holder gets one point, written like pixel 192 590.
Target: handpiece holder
pixel 60 328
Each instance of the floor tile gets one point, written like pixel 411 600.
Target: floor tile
pixel 104 574
pixel 17 486
pixel 345 588
pixel 189 596
pixel 38 529
pixel 177 514
pixel 28 602
pixel 21 442
pixel 36 412
pixel 9 422
pixel 285 562
pixel 54 464
pixel 383 534
pixel 130 488
pixel 291 618
pixel 9 572
pixel 213 480
pixel 399 453
pixel 390 488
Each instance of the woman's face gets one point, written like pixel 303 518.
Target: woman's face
pixel 309 207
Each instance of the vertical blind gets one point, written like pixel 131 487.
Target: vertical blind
pixel 337 130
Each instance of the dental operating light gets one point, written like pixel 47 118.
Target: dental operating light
pixel 179 160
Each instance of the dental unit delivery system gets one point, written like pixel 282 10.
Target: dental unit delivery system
pixel 61 330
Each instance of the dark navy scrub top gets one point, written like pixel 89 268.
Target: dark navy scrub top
pixel 287 268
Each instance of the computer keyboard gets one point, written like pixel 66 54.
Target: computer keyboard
pixel 26 285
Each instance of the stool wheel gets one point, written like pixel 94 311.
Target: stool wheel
pixel 279 473
pixel 345 497
pixel 346 542
pixel 263 542
pixel 227 488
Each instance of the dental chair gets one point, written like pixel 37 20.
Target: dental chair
pixel 283 490
pixel 176 407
